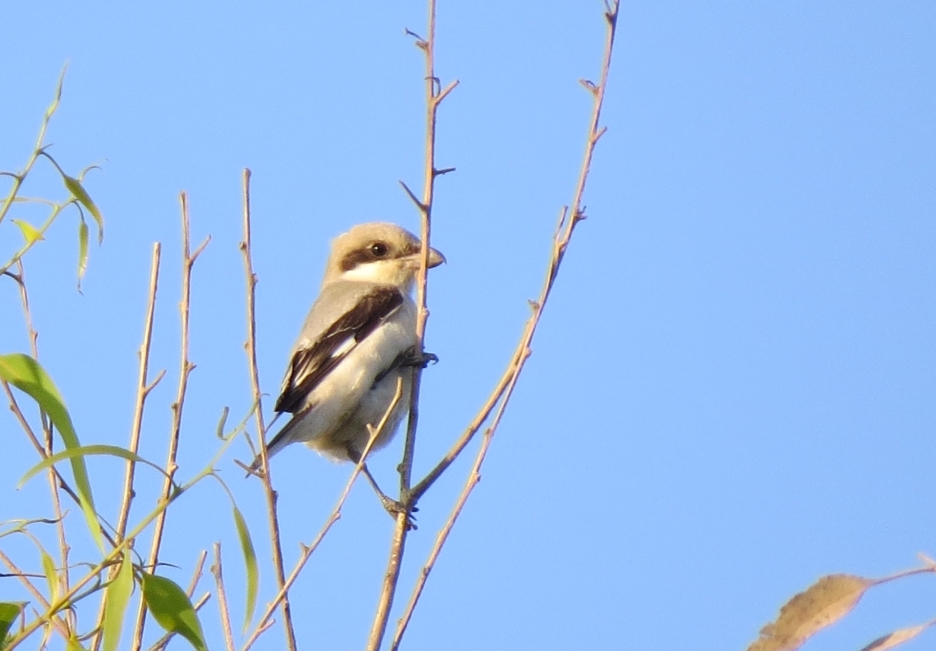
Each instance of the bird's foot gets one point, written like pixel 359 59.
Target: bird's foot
pixel 422 360
pixel 395 508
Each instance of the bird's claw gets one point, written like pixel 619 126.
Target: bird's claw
pixel 422 360
pixel 395 508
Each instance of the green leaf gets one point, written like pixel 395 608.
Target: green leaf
pixel 58 94
pixel 82 250
pixel 30 233
pixel 83 451
pixel 250 565
pixel 115 605
pixel 27 375
pixel 172 609
pixel 48 567
pixel 77 190
pixel 9 611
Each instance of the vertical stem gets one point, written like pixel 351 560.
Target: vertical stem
pixel 425 208
pixel 269 493
pixel 504 390
pixel 186 366
pixel 434 96
pixel 134 445
pixel 222 599
pixel 141 392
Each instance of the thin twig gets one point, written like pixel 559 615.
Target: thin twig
pixel 473 478
pixel 142 392
pixel 430 173
pixel 503 391
pixel 335 515
pixel 68 599
pixel 560 242
pixel 186 366
pixel 266 478
pixel 61 626
pixel 222 599
pixel 433 98
pixel 17 412
pixel 52 474
pixel 37 150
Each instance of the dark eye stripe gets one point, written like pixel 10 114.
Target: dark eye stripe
pixel 369 253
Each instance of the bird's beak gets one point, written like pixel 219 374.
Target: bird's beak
pixel 435 258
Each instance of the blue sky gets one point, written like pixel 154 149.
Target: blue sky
pixel 731 393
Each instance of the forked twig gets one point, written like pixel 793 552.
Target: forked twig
pixel 502 393
pixel 434 97
pixel 186 366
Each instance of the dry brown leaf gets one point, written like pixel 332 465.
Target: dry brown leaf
pixel 897 637
pixel 825 602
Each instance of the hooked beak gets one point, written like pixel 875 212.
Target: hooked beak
pixel 435 258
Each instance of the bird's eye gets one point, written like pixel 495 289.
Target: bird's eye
pixel 379 249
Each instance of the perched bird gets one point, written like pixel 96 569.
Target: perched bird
pixel 358 340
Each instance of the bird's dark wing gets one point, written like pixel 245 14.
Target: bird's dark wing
pixel 312 363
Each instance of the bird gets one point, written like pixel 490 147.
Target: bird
pixel 356 345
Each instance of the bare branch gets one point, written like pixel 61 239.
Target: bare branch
pixel 433 98
pixel 308 550
pixel 266 478
pixel 413 197
pixel 502 392
pixel 143 390
pixel 185 368
pixel 222 599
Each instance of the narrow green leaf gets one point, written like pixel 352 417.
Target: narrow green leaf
pixel 250 565
pixel 58 94
pixel 115 605
pixel 30 233
pixel 82 250
pixel 83 451
pixel 27 375
pixel 77 190
pixel 48 567
pixel 172 609
pixel 9 611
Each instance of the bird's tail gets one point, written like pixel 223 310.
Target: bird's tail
pixel 277 443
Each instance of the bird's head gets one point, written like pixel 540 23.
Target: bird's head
pixel 378 252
